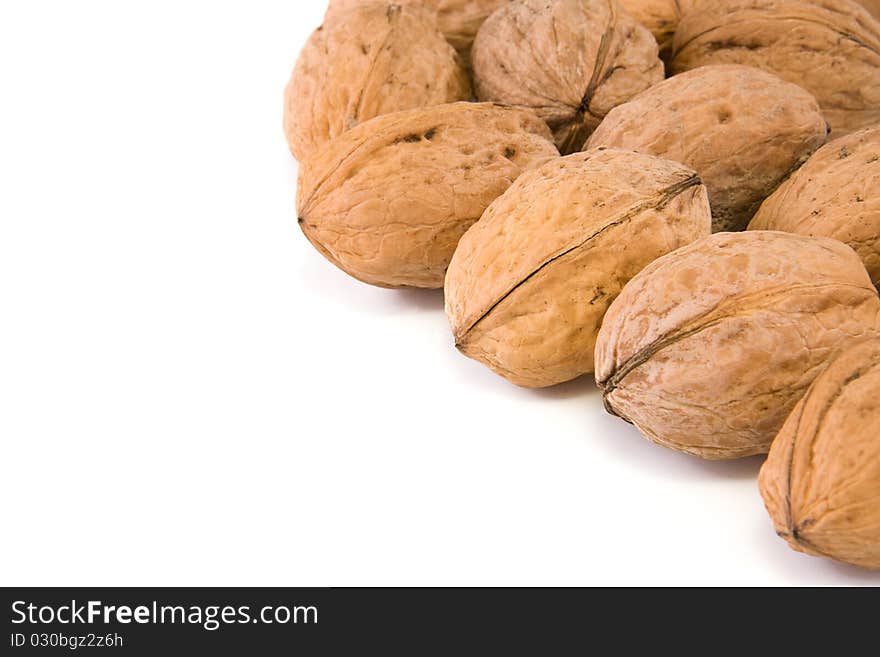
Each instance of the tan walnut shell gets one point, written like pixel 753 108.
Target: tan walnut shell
pixel 388 201
pixel 458 20
pixel 742 129
pixel 372 60
pixel 821 483
pixel 873 6
pixel 835 194
pixel 531 281
pixel 829 47
pixel 708 349
pixel 661 17
pixel 571 61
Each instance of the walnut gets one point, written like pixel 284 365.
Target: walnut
pixel 742 129
pixel 388 200
pixel 531 281
pixel 821 483
pixel 708 349
pixel 661 17
pixel 829 47
pixel 458 20
pixel 571 61
pixel 371 60
pixel 836 194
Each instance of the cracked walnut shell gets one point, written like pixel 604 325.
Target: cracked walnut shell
pixel 742 129
pixel 371 60
pixel 835 194
pixel 829 47
pixel 821 482
pixel 388 201
pixel 531 281
pixel 570 61
pixel 708 349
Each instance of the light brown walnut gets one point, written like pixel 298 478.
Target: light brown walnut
pixel 742 129
pixel 835 194
pixel 531 281
pixel 570 61
pixel 829 47
pixel 458 20
pixel 372 60
pixel 663 16
pixel 708 349
pixel 821 482
pixel 388 200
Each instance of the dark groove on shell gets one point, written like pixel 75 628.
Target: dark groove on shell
pixel 661 201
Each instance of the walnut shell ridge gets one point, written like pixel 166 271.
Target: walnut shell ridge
pixel 741 129
pixel 835 194
pixel 388 201
pixel 371 60
pixel 829 47
pixel 708 349
pixel 821 482
pixel 458 20
pixel 530 282
pixel 570 61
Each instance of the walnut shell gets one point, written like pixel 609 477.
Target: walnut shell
pixel 661 17
pixel 821 482
pixel 388 201
pixel 835 194
pixel 742 129
pixel 531 281
pixel 458 20
pixel 873 7
pixel 829 47
pixel 372 60
pixel 571 61
pixel 708 349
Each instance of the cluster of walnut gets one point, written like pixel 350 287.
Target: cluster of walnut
pixel 680 197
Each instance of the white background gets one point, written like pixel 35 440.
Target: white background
pixel 190 395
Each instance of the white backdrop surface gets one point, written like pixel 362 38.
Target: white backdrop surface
pixel 191 395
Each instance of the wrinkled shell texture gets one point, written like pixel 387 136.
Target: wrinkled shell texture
pixel 531 281
pixel 835 194
pixel 742 129
pixel 458 20
pixel 366 62
pixel 708 349
pixel 571 61
pixel 821 482
pixel 829 47
pixel 388 201
pixel 661 17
